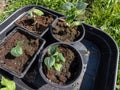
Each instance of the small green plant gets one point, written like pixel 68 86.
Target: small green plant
pixel 55 58
pixel 73 12
pixel 17 50
pixel 33 12
pixel 7 84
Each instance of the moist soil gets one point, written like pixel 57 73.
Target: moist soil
pixel 66 33
pixel 70 70
pixel 36 25
pixel 30 46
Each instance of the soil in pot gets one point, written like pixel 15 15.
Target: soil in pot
pixel 66 33
pixel 36 25
pixel 30 46
pixel 71 68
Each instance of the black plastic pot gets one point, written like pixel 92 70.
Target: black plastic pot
pixel 46 13
pixel 80 68
pixel 26 68
pixel 78 39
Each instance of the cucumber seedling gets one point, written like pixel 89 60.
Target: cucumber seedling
pixel 17 50
pixel 6 84
pixel 73 12
pixel 55 58
pixel 34 13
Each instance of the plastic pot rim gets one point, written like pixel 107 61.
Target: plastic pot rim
pixel 55 84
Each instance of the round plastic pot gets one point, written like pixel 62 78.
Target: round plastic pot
pixel 78 39
pixel 80 70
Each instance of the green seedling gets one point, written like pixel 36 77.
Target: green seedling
pixel 73 12
pixel 17 50
pixel 33 12
pixel 49 62
pixel 58 66
pixel 60 57
pixel 55 58
pixel 52 50
pixel 7 84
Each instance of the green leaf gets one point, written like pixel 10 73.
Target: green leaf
pixel 79 12
pixel 81 5
pixel 57 66
pixel 37 12
pixel 31 14
pixel 67 6
pixel 16 51
pixel 9 85
pixel 52 50
pixel 76 23
pixel 70 19
pixel 60 57
pixel 4 88
pixel 49 62
pixel 55 54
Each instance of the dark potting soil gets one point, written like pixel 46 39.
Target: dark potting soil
pixel 30 46
pixel 70 70
pixel 66 33
pixel 38 26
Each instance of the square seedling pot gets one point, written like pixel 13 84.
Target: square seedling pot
pixel 34 23
pixel 31 46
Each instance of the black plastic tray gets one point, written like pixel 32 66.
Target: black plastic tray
pixel 101 61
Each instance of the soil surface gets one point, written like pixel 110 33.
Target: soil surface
pixel 70 70
pixel 30 46
pixel 36 25
pixel 66 33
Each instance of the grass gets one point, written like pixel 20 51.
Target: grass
pixel 104 14
pixel 14 5
pixel 50 4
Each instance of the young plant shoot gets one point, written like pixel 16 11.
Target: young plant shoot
pixel 35 12
pixel 7 84
pixel 73 12
pixel 54 59
pixel 17 50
